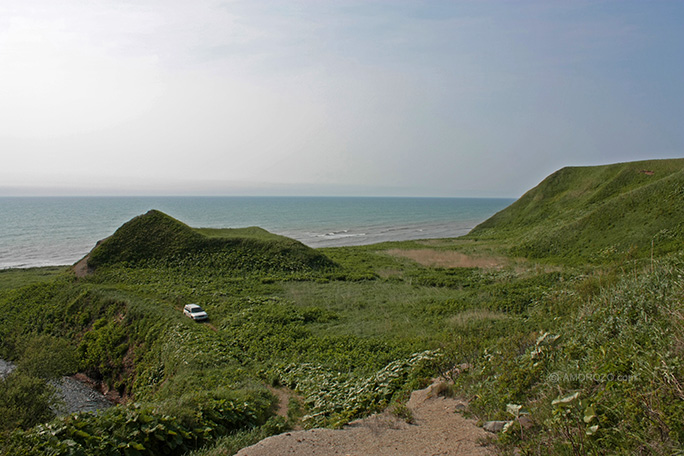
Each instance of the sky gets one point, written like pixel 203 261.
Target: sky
pixel 469 98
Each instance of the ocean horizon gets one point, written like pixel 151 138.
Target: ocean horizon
pixel 51 231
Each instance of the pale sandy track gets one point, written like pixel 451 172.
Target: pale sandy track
pixel 437 430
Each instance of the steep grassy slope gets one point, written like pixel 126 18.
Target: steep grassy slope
pixel 148 236
pixel 158 239
pixel 596 213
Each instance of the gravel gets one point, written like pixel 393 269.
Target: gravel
pixel 72 395
pixel 76 396
pixel 5 368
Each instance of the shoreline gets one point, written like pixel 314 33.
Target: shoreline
pixel 349 237
pixel 54 232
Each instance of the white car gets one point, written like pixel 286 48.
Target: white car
pixel 195 312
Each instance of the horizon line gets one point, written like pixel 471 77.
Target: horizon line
pixel 142 195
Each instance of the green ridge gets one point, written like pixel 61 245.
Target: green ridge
pixel 156 238
pixel 598 213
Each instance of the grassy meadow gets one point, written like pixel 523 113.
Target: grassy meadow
pixel 565 308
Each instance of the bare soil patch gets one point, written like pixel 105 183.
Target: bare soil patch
pixel 284 395
pixel 437 429
pixel 81 268
pixel 448 258
pixel 210 326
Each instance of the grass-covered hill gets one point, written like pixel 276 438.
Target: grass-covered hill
pixel 156 238
pixel 576 357
pixel 597 213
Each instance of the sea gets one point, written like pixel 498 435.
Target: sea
pixel 50 231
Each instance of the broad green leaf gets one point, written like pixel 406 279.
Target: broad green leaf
pixel 589 414
pixel 513 409
pixel 566 399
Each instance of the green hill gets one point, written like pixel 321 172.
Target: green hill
pixel 158 239
pixel 596 213
pixel 576 358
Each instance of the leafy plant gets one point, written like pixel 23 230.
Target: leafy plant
pixel 24 401
pixel 337 398
pixel 354 329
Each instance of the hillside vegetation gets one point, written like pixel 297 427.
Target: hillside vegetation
pixel 563 326
pixel 156 238
pixel 598 214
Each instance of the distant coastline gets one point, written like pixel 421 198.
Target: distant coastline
pixel 49 231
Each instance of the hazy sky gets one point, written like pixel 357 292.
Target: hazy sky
pixel 405 98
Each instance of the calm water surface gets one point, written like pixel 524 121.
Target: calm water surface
pixel 55 231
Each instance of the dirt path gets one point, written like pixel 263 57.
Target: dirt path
pixel 448 258
pixel 437 430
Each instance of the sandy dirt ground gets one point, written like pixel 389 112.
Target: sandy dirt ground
pixel 448 259
pixel 81 268
pixel 438 429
